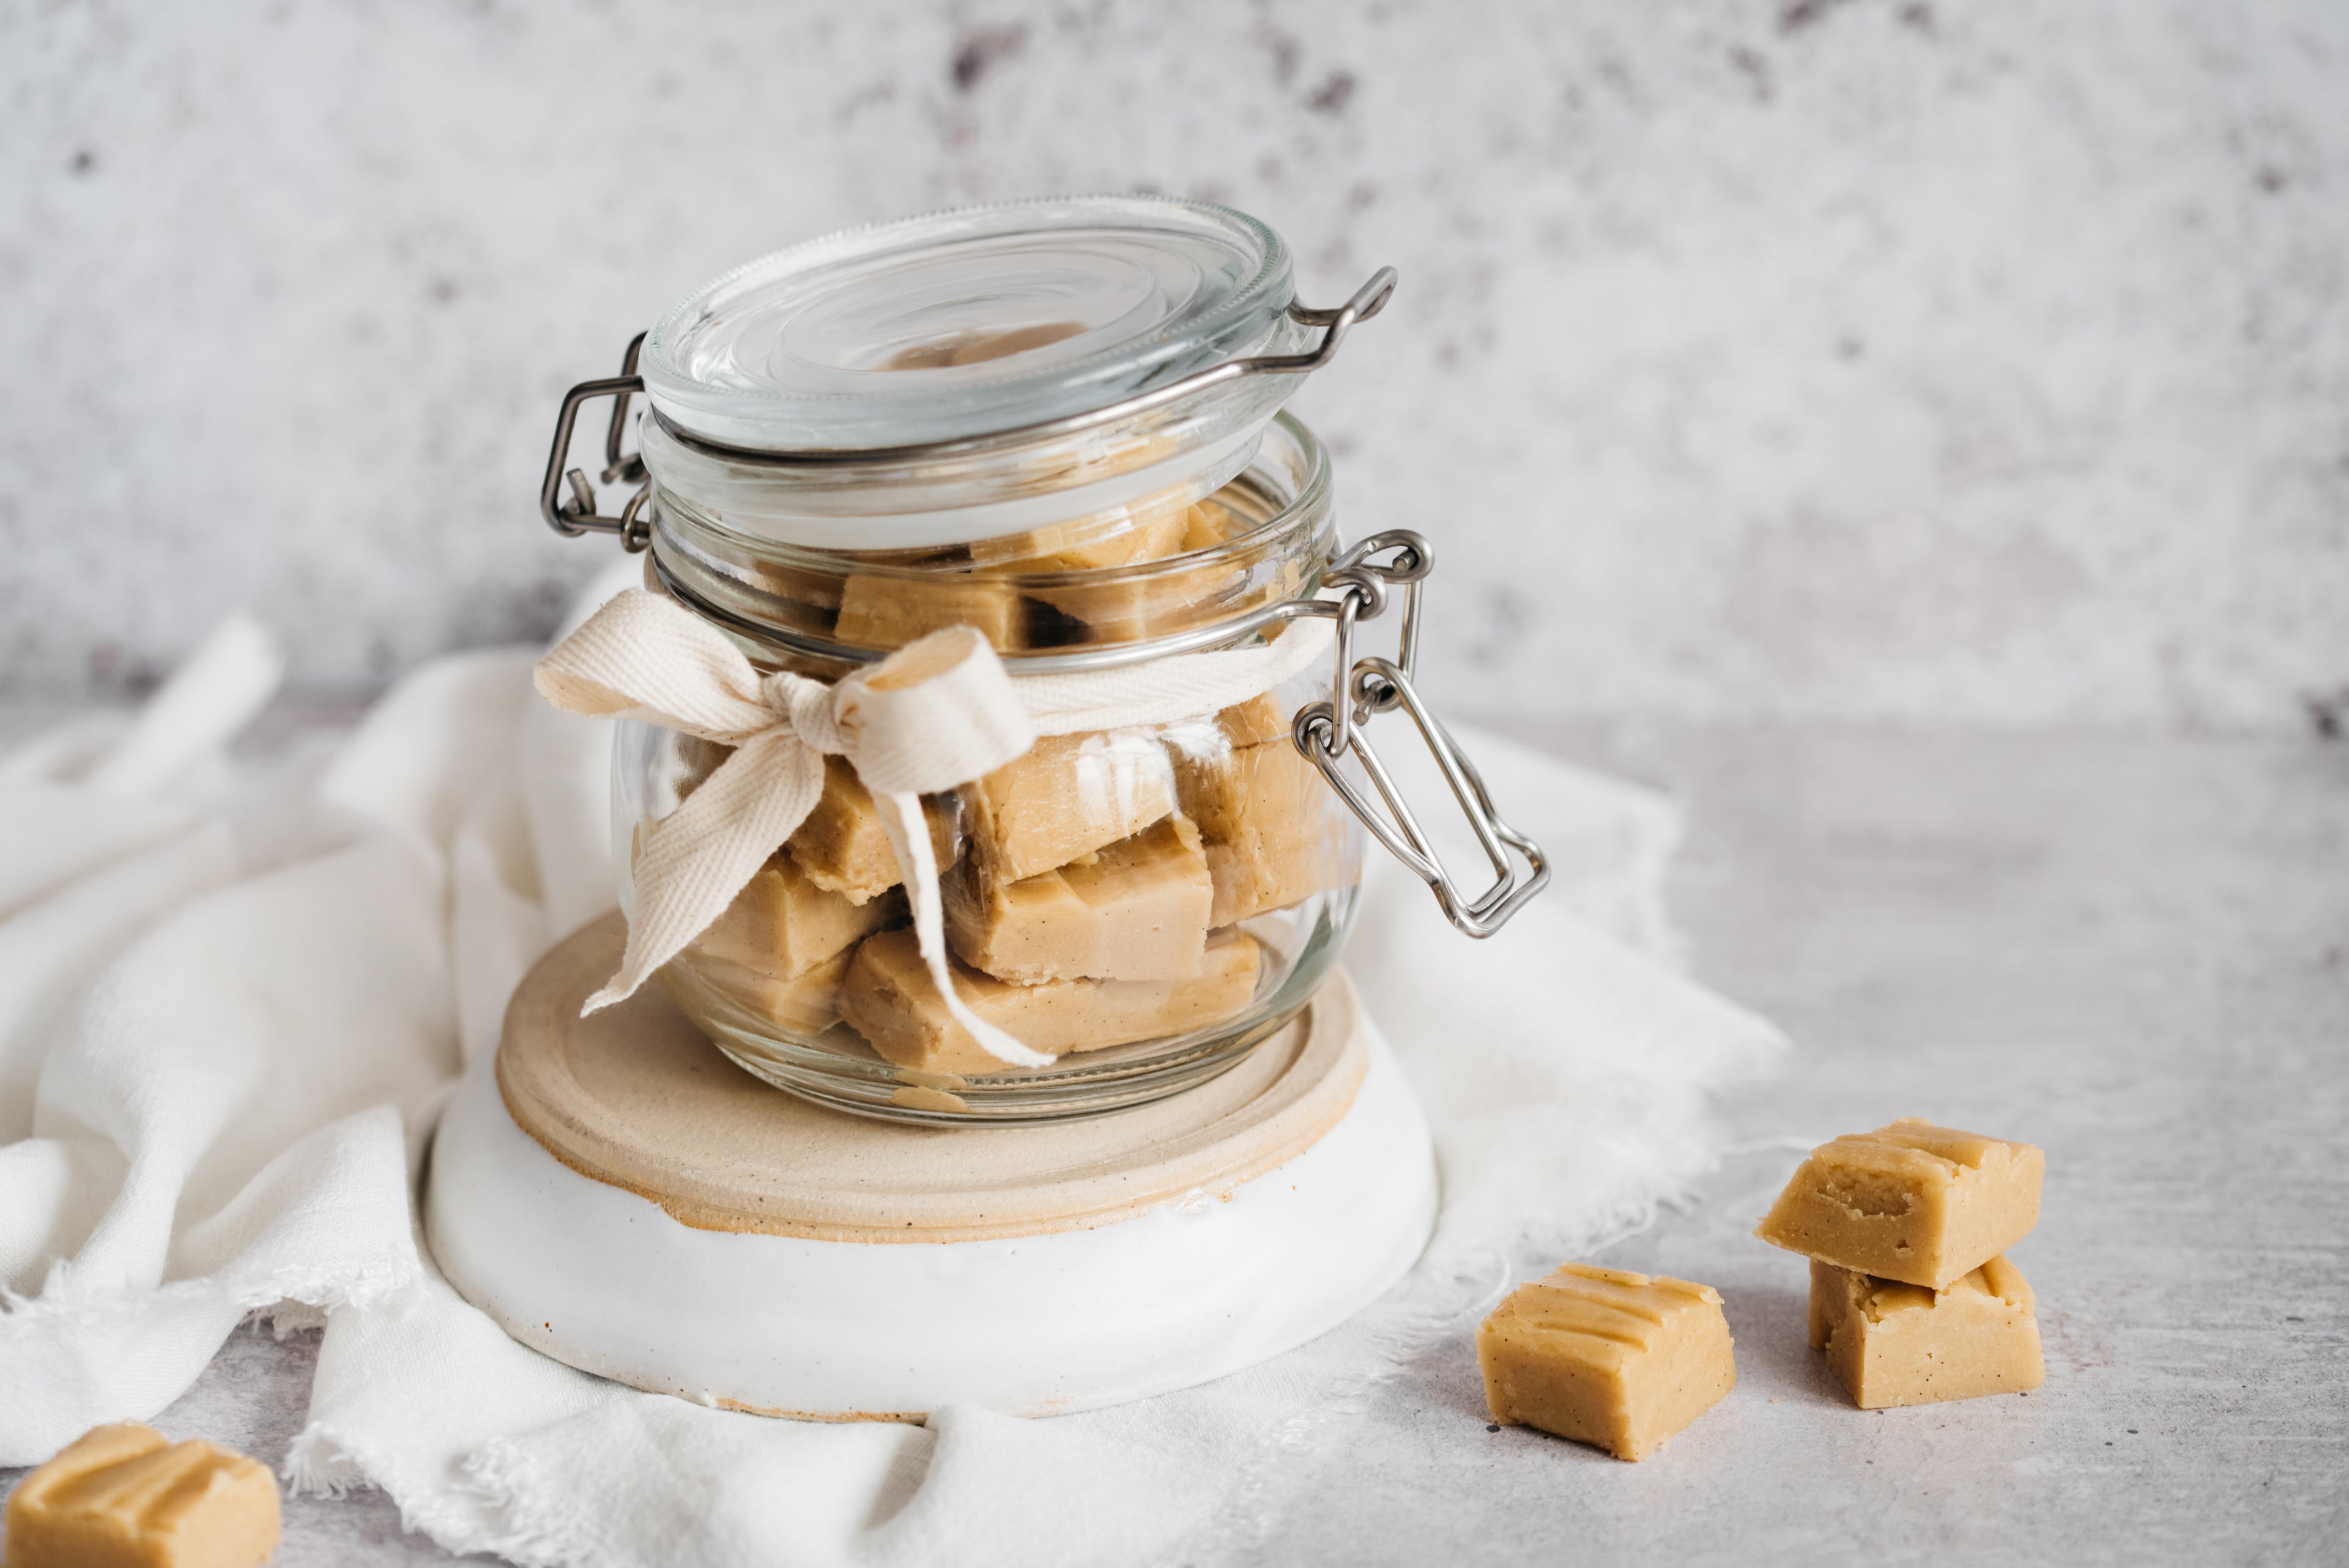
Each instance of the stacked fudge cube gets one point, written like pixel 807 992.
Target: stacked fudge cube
pixel 1906 1228
pixel 1097 892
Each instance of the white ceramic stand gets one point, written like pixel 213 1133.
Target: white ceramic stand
pixel 840 1268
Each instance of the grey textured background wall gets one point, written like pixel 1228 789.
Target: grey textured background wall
pixel 1960 359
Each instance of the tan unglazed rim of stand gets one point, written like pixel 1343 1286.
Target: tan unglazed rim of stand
pixel 637 1097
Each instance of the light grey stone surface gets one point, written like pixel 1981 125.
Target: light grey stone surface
pixel 253 1399
pixel 2132 951
pixel 1845 358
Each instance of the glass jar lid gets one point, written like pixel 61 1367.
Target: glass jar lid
pixel 968 323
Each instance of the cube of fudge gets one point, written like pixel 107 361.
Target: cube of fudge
pixel 1229 794
pixel 696 759
pixel 1259 722
pixel 888 612
pixel 1135 909
pixel 782 925
pixel 843 846
pixel 1889 1344
pixel 803 598
pixel 807 1002
pixel 1605 1357
pixel 1208 525
pixel 1262 810
pixel 1069 795
pixel 889 999
pixel 123 1497
pixel 1133 605
pixel 1150 529
pixel 1172 596
pixel 1199 745
pixel 1911 1201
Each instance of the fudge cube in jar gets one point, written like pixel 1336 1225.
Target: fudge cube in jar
pixel 1275 833
pixel 888 997
pixel 975 457
pixel 1068 796
pixel 1137 909
pixel 843 848
pixel 888 611
pixel 782 945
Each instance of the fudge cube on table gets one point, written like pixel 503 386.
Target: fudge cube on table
pixel 1607 1357
pixel 1914 1202
pixel 125 1496
pixel 1893 1344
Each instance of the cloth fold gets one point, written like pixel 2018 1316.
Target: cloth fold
pixel 224 1052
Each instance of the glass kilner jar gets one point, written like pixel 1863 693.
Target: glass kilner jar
pixel 1051 431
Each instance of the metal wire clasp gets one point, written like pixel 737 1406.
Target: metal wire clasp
pixel 577 514
pixel 1327 732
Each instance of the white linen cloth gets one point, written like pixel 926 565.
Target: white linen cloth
pixel 233 997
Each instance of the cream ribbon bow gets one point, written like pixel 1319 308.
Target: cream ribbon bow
pixel 933 715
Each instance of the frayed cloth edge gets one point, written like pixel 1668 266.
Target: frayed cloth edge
pixel 361 1285
pixel 322 1461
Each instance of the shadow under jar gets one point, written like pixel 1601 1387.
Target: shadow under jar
pixel 882 435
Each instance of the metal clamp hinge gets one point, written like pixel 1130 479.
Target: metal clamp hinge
pixel 577 513
pixel 1328 732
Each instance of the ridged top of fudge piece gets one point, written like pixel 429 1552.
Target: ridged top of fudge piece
pixel 1915 1147
pixel 1631 1310
pixel 132 1472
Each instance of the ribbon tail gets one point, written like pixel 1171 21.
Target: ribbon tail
pixel 696 859
pixel 909 836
